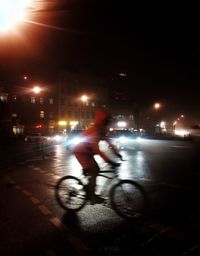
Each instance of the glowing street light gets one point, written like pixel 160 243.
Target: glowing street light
pixel 84 98
pixel 36 89
pixel 12 12
pixel 157 106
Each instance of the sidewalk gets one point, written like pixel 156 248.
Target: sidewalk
pixel 23 229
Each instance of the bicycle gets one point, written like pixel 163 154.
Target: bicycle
pixel 126 197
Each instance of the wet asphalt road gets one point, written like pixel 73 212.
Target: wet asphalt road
pixel 32 222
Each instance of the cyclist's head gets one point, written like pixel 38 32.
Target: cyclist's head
pixel 102 117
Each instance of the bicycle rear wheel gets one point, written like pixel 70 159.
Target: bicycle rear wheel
pixel 70 193
pixel 128 199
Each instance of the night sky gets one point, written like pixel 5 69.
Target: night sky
pixel 156 46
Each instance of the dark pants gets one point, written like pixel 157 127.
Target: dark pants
pixel 90 168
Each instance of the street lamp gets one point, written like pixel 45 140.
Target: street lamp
pixel 157 106
pixel 84 99
pixel 12 12
pixel 36 89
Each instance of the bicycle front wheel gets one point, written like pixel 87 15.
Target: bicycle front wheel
pixel 70 193
pixel 128 199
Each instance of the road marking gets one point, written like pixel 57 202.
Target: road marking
pixel 35 200
pixel 169 231
pixel 44 209
pixel 36 168
pixel 9 181
pixel 194 248
pixel 58 224
pixel 180 146
pixel 18 187
pixel 41 171
pixel 191 250
pixel 26 192
pixel 77 244
pixel 155 236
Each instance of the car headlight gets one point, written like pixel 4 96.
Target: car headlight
pixel 57 138
pixel 76 141
pixel 138 139
pixel 123 139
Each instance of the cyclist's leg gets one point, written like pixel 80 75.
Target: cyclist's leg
pixel 91 167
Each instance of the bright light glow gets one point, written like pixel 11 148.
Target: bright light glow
pixel 122 74
pixel 139 139
pixel 73 123
pixel 157 106
pixel 181 132
pixel 57 138
pixel 162 124
pixel 12 12
pixel 76 141
pixel 84 98
pixel 62 123
pixel 123 139
pixel 121 124
pixel 36 89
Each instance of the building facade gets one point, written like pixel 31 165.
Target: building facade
pixel 80 94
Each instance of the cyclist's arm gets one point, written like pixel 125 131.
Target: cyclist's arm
pixel 113 148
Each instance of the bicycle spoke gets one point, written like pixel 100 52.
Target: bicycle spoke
pixel 70 193
pixel 127 199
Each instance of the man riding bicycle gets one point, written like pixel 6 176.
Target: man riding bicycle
pixel 89 146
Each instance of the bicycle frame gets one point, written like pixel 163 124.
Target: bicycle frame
pixel 115 191
pixel 109 179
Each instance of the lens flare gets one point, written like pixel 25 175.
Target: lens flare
pixel 12 12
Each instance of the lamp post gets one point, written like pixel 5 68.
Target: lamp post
pixel 157 107
pixel 36 90
pixel 84 99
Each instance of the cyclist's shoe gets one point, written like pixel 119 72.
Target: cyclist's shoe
pixel 95 199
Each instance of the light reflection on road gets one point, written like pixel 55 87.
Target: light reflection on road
pixel 134 167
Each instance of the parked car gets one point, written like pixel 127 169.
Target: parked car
pixel 124 139
pixel 33 137
pixel 36 137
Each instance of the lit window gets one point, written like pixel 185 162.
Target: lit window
pixel 51 101
pixel 41 100
pixel 32 99
pixel 42 114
